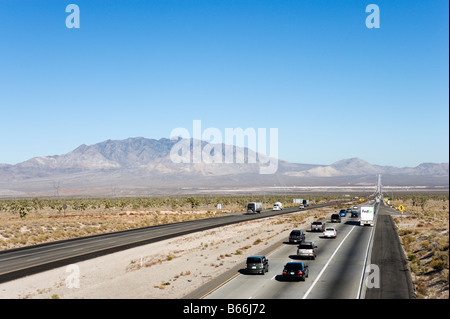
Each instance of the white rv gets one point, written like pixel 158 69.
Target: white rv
pixel 277 206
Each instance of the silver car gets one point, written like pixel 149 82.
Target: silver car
pixel 317 226
pixel 308 250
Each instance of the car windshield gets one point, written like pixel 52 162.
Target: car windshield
pixel 329 229
pixel 253 260
pixel 294 266
pixel 251 206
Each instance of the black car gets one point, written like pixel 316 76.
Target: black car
pixel 297 236
pixel 354 213
pixel 335 218
pixel 295 270
pixel 258 264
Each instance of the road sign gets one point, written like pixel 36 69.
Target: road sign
pixel 401 208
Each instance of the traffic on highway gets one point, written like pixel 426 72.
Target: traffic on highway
pixel 327 261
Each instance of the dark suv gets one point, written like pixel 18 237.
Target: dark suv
pixel 258 264
pixel 297 236
pixel 335 218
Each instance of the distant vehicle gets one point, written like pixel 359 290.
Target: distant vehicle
pixel 317 226
pixel 257 264
pixel 330 232
pixel 367 216
pixel 335 218
pixel 277 206
pixel 254 208
pixel 306 202
pixel 297 236
pixel 295 270
pixel 354 213
pixel 355 207
pixel 343 213
pixel 307 250
pixel 301 206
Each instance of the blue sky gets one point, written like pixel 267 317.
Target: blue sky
pixel 334 88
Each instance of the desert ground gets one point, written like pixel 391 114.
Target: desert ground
pixel 168 269
pixel 424 234
pixel 171 269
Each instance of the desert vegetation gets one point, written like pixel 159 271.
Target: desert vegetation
pixel 424 234
pixel 29 221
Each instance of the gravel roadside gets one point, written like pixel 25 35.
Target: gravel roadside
pixel 169 269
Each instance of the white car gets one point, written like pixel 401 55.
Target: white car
pixel 329 232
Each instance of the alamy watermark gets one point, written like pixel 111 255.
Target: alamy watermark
pixel 73 279
pixel 373 19
pixel 372 276
pixel 73 19
pixel 192 151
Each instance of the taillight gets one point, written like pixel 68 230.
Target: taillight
pixel 284 272
pixel 300 273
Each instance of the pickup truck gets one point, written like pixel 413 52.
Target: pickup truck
pixel 317 226
pixel 307 250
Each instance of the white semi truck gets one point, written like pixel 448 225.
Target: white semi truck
pixel 367 216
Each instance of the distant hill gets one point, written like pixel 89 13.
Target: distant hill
pixel 144 166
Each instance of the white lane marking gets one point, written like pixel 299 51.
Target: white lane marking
pixel 358 295
pixel 326 265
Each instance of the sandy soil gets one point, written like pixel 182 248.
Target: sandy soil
pixel 168 269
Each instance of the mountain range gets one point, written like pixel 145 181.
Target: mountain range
pixel 137 166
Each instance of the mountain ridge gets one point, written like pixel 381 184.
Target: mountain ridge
pixel 146 163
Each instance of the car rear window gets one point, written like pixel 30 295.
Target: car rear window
pixel 294 266
pixel 335 216
pixel 317 223
pixel 295 233
pixel 305 246
pixel 253 260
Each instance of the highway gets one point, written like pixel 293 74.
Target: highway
pixel 15 263
pixel 362 262
pixel 336 273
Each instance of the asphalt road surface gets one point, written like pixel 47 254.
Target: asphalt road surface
pixel 15 263
pixel 395 278
pixel 336 273
pixel 362 262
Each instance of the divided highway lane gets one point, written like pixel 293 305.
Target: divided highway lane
pixel 15 263
pixel 336 273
